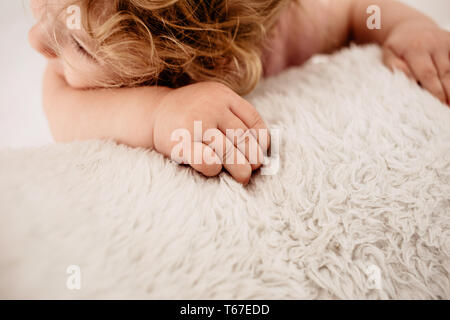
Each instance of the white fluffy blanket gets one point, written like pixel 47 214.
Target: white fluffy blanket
pixel 359 209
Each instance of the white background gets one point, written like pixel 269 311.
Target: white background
pixel 22 122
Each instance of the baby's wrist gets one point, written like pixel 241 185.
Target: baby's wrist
pixel 156 105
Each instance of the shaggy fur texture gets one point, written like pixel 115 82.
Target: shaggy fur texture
pixel 363 191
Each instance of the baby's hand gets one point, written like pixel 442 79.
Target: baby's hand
pixel 218 108
pixel 422 50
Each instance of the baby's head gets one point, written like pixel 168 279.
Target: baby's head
pixel 147 42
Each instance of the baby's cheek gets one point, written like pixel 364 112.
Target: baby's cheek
pixel 82 73
pixel 80 76
pixel 76 79
pixel 57 66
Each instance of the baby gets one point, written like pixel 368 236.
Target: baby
pixel 138 70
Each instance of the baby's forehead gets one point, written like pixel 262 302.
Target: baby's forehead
pixel 99 10
pixel 39 7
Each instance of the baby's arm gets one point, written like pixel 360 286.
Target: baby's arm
pixel 148 116
pixel 411 41
pixel 392 14
pixel 123 115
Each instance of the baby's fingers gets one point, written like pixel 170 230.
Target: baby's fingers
pixel 242 138
pixel 442 61
pixel 247 113
pixel 232 159
pixel 425 72
pixel 200 157
pixel 393 62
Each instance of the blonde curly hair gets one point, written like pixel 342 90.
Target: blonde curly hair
pixel 177 42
